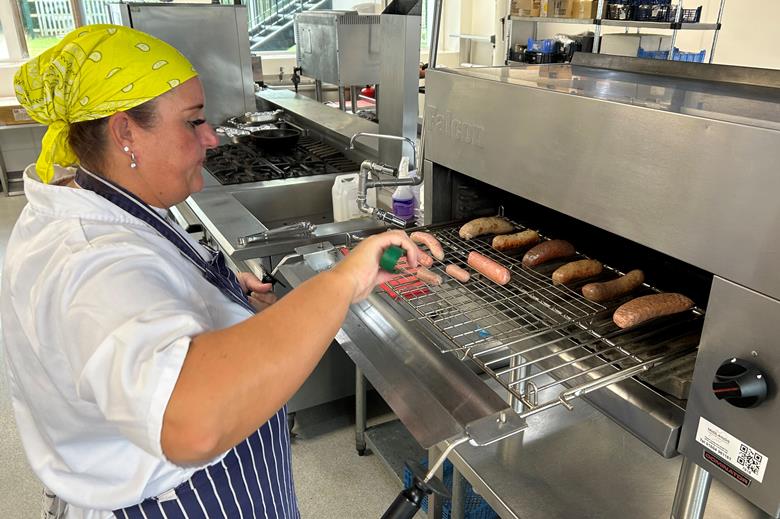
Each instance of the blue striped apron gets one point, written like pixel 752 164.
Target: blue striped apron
pixel 254 479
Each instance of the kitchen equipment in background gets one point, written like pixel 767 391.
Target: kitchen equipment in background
pixel 215 38
pixel 338 47
pixel 251 120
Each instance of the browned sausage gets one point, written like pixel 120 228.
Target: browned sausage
pixel 547 251
pixel 430 241
pixel 644 308
pixel 458 273
pixel 575 270
pixel 492 270
pixel 516 241
pixel 489 225
pixel 425 275
pixel 423 259
pixel 615 288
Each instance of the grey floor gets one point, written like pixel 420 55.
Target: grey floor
pixel 331 480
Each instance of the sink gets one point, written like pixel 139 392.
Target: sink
pixel 288 203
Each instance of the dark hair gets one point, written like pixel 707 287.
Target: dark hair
pixel 88 139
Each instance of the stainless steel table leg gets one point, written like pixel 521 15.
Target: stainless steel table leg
pixel 360 411
pixel 318 90
pixel 693 487
pixel 342 99
pixel 353 98
pixel 458 510
pixel 435 502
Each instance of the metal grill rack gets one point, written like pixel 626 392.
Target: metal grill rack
pixel 528 328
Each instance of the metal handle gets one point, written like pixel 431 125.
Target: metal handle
pixel 304 228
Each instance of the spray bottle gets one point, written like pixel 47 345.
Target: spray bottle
pixel 403 197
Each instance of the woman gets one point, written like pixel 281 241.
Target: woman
pixel 142 384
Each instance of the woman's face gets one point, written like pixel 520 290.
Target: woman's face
pixel 170 154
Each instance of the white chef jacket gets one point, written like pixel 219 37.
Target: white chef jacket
pixel 98 311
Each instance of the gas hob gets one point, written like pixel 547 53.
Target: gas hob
pixel 241 163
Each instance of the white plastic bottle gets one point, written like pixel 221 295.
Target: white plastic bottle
pixel 403 197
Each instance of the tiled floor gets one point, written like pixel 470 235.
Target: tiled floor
pixel 331 480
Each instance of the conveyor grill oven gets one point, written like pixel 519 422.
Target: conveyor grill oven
pixel 665 167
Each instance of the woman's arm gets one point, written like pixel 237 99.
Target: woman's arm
pixel 235 379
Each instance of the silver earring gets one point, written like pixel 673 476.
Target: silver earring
pixel 133 164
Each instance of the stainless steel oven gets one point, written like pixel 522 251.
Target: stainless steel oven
pixel 669 168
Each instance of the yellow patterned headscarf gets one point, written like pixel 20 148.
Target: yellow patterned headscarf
pixel 94 72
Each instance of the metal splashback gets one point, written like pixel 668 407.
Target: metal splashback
pixel 215 38
pixel 686 167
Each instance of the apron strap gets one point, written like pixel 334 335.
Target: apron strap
pixel 214 268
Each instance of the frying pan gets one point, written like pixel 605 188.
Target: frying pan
pixel 281 139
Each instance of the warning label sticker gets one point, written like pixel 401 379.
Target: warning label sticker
pixel 733 451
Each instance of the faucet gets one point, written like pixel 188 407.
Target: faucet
pixel 364 183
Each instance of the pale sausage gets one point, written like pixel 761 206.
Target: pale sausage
pixel 430 241
pixel 423 259
pixel 575 270
pixel 488 225
pixel 425 275
pixel 644 308
pixel 548 251
pixel 458 273
pixel 615 288
pixel 492 270
pixel 516 241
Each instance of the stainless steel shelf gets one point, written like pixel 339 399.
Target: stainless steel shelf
pixel 660 25
pixel 619 23
pixel 545 19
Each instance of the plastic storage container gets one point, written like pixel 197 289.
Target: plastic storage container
pixel 344 195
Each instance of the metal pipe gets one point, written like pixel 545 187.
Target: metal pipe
pixel 364 184
pixel 360 411
pixel 318 90
pixel 433 55
pixel 409 141
pixel 693 486
pixel 717 30
pixel 458 508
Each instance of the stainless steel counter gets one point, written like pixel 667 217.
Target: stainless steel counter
pixel 334 124
pixel 231 211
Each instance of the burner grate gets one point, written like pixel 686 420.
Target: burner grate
pixel 239 163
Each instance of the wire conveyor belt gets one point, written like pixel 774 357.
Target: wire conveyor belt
pixel 530 327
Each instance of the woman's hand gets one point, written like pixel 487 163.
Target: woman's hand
pixel 258 293
pixel 361 265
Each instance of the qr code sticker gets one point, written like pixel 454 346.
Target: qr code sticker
pixel 749 460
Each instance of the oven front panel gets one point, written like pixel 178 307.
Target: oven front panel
pixel 737 445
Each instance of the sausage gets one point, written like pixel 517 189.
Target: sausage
pixel 430 241
pixel 575 270
pixel 547 251
pixel 492 270
pixel 426 276
pixel 458 273
pixel 423 259
pixel 515 241
pixel 615 288
pixel 488 225
pixel 644 308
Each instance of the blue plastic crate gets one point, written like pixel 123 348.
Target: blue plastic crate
pixel 694 57
pixel 476 507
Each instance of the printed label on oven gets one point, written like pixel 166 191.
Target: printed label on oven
pixel 739 454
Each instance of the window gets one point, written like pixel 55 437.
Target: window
pixel 3 44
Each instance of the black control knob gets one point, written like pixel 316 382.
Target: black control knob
pixel 739 383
